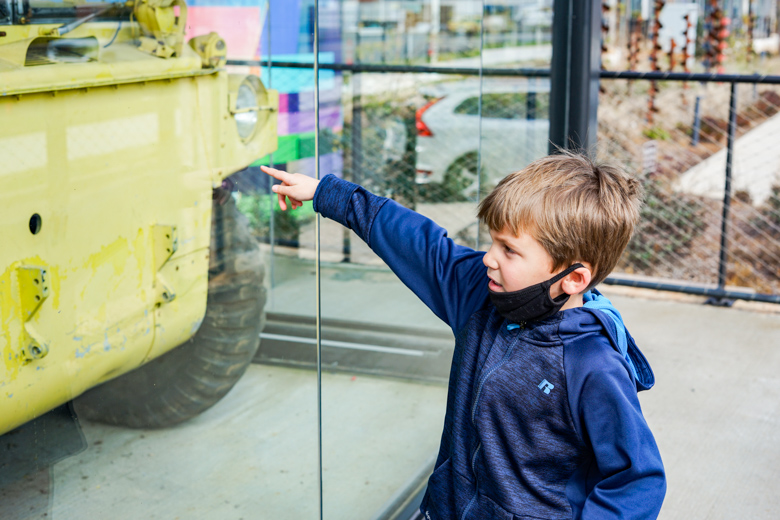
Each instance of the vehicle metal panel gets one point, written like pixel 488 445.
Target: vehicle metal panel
pixel 118 158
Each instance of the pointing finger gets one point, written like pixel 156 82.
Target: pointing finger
pixel 282 189
pixel 276 174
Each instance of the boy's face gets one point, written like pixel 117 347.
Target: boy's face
pixel 516 262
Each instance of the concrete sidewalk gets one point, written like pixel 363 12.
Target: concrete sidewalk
pixel 714 410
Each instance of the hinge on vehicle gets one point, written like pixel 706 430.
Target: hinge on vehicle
pixel 34 346
pixel 33 290
pixel 166 243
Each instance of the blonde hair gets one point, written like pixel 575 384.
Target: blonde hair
pixel 576 209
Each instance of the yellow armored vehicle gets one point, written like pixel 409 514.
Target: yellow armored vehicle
pixel 127 276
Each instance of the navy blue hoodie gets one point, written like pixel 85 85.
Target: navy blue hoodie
pixel 542 420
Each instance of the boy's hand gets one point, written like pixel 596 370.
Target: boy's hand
pixel 295 186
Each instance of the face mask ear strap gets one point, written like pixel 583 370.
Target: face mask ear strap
pixel 564 273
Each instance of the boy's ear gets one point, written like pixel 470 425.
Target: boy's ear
pixel 577 281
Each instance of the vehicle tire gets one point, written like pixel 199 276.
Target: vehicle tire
pixel 192 377
pixel 461 181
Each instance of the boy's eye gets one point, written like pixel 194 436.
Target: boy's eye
pixel 508 250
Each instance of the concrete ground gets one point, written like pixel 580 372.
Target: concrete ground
pixel 714 410
pixel 252 456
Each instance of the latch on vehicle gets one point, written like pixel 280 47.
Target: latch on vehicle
pixel 33 290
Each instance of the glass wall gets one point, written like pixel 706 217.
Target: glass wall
pixel 149 253
pixel 431 141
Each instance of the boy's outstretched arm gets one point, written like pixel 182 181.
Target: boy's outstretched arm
pixel 450 279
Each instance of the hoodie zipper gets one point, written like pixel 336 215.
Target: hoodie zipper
pixel 481 384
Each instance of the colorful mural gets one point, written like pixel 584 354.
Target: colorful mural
pixel 297 118
pixel 283 30
pixel 292 40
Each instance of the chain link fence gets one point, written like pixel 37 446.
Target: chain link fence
pixel 438 142
pixel 680 153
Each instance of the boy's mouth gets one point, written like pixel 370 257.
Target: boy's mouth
pixel 493 286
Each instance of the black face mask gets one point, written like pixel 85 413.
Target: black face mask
pixel 533 302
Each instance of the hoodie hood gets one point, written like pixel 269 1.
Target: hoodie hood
pixel 598 305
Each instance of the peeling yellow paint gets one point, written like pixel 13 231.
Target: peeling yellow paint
pixel 56 285
pixel 139 253
pixel 115 254
pixel 9 309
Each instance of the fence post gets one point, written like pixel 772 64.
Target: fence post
pixel 574 74
pixel 696 122
pixel 724 225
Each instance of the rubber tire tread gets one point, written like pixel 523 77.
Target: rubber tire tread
pixel 192 377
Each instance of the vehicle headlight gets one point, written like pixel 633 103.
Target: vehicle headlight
pixel 247 98
pixel 246 111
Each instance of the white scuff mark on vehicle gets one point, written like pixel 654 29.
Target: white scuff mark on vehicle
pixel 196 326
pixel 82 353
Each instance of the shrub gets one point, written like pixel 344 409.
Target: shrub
pixel 287 224
pixel 668 223
pixel 656 132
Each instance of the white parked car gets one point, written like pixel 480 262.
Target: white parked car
pixel 514 131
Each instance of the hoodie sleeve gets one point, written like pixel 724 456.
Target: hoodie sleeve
pixel 448 278
pixel 625 479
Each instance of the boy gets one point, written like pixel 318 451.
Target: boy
pixel 542 414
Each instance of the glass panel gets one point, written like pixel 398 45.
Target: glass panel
pixel 286 358
pixel 125 256
pixel 517 34
pixel 386 357
pixel 515 125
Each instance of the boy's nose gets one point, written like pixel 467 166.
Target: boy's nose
pixel 488 260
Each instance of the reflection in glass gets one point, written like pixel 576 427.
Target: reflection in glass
pixel 136 283
pixel 146 150
pixel 385 355
pixel 416 139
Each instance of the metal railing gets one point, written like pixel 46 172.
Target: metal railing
pixel 718 294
